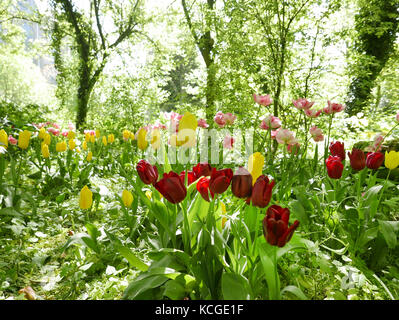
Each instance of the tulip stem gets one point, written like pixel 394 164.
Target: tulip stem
pixel 276 295
pixel 383 188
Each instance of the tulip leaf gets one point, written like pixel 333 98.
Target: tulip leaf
pixel 389 230
pixel 299 211
pixel 142 284
pixel 296 291
pixel 235 287
pixel 131 257
pixel 273 281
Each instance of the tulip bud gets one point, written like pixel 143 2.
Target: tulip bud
pixel 171 187
pixel 255 165
pixel 47 138
pixel 203 188
pixel 104 139
pixel 202 169
pixel 42 132
pixel 220 180
pixel 334 167
pixel 275 226
pixel 71 135
pixel 127 198
pixel 262 192
pixel 61 146
pixel 241 183
pixel 126 134
pixel 89 156
pixel 374 160
pixel 391 159
pixel 191 177
pixel 3 138
pixel 86 198
pixel 72 144
pixel 84 145
pixel 337 149
pixel 147 173
pixel 357 159
pixel 23 139
pixel 142 142
pixel 45 151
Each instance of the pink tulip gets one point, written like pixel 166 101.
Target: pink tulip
pixel 311 113
pixel 91 132
pixel 333 108
pixel 228 142
pixel 263 100
pixel 317 134
pixel 158 125
pixel 12 140
pixel 273 133
pixel 64 133
pixel 376 146
pixel 229 118
pixel 270 122
pixel 293 147
pixel 220 119
pixel 54 125
pixel 285 136
pixel 302 103
pixel 202 123
pixel 55 132
pixel 71 127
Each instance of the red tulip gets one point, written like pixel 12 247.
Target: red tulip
pixel 358 159
pixel 374 160
pixel 203 188
pixel 241 184
pixel 202 169
pixel 171 187
pixel 147 173
pixel 275 226
pixel 262 192
pixel 337 149
pixel 220 180
pixel 191 177
pixel 334 167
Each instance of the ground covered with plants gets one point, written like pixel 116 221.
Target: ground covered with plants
pixel 200 168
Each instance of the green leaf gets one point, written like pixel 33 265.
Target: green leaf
pixel 139 286
pixel 37 175
pixel 295 291
pixel 299 211
pixel 235 287
pixel 130 256
pixel 174 290
pixel 388 229
pixel 273 282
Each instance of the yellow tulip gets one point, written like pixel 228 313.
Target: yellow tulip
pixel 224 220
pixel 255 165
pixel 148 194
pixel 142 142
pixel 47 138
pixel 72 144
pixel 92 138
pixel 391 159
pixel 61 146
pixel 98 133
pixel 87 137
pixel 3 138
pixel 42 132
pixel 132 137
pixel 71 135
pixel 23 139
pixel 127 198
pixel 187 126
pixel 89 156
pixel 155 139
pixel 111 138
pixel 126 134
pixel 223 207
pixel 86 198
pixel 84 145
pixel 104 140
pixel 45 151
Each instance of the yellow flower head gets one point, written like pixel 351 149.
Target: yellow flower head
pixel 127 198
pixel 3 138
pixel 89 156
pixel 42 132
pixel 84 145
pixel 126 135
pixel 255 165
pixel 105 140
pixel 92 138
pixel 61 146
pixel 155 139
pixel 47 138
pixel 391 159
pixel 87 137
pixel 142 142
pixel 23 139
pixel 148 194
pixel 132 137
pixel 86 198
pixel 223 206
pixel 71 135
pixel 45 150
pixel 98 133
pixel 72 144
pixel 186 134
pixel 111 138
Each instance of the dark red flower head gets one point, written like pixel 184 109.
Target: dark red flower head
pixel 358 159
pixel 147 173
pixel 191 177
pixel 202 169
pixel 275 226
pixel 374 160
pixel 334 167
pixel 171 187
pixel 203 188
pixel 220 180
pixel 262 192
pixel 241 184
pixel 337 149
